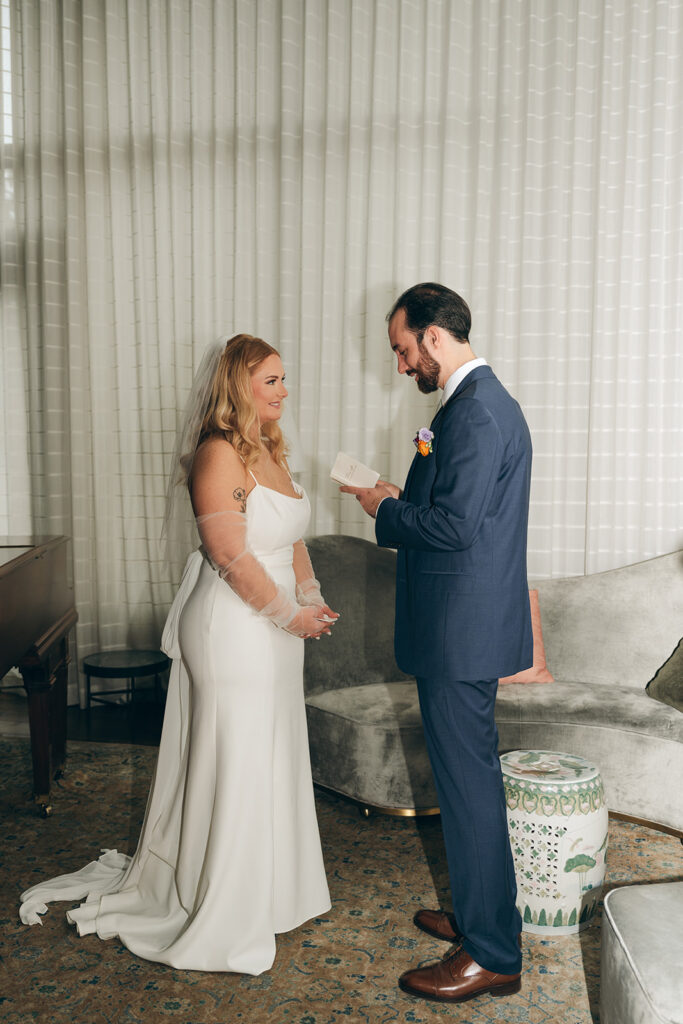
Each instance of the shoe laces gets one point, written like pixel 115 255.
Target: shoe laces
pixel 452 955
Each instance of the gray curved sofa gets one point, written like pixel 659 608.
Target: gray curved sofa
pixel 605 637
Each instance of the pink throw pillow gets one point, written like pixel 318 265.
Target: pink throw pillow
pixel 538 673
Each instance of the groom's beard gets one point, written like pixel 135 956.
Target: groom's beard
pixel 427 373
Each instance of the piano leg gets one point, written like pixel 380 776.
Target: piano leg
pixel 58 699
pixel 39 724
pixel 44 671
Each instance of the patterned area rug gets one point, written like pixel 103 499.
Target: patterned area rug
pixel 335 970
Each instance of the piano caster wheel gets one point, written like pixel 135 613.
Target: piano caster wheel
pixel 59 774
pixel 45 810
pixel 364 812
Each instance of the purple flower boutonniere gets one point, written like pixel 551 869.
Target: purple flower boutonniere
pixel 423 441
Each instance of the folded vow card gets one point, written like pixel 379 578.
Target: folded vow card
pixel 350 471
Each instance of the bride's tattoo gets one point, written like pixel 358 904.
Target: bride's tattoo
pixel 239 494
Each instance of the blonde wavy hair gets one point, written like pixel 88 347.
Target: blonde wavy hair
pixel 230 411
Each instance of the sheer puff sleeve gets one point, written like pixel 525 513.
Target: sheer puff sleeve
pixel 307 586
pixel 224 538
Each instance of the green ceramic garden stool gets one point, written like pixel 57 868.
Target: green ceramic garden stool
pixel 557 819
pixel 125 664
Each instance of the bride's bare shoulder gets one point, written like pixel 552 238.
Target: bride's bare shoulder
pixel 217 457
pixel 216 449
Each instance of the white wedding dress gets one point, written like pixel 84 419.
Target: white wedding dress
pixel 229 853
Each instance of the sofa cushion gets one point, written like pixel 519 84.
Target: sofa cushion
pixel 667 684
pixel 538 673
pixel 367 742
pixel 391 707
pixel 616 707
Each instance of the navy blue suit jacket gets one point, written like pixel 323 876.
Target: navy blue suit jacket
pixel 460 527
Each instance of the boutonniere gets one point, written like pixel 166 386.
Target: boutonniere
pixel 423 441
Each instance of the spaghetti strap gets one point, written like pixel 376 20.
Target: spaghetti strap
pixel 248 470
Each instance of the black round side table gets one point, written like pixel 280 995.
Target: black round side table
pixel 125 664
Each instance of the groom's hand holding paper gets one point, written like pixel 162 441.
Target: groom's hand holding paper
pixel 352 473
pixel 363 482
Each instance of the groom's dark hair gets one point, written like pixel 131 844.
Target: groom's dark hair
pixel 429 303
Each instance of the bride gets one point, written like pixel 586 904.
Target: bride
pixel 229 853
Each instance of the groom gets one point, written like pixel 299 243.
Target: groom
pixel 462 621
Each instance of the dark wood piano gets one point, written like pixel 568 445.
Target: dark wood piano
pixel 36 614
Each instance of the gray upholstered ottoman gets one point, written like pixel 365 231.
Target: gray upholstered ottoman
pixel 641 976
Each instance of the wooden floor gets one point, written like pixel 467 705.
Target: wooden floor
pixel 137 722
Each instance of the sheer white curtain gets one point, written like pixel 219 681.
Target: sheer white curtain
pixel 178 170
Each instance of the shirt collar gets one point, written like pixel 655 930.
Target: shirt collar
pixel 458 377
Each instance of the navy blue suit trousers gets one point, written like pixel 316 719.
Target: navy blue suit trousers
pixel 462 742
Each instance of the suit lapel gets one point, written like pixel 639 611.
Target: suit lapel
pixel 417 455
pixel 437 416
pixel 410 473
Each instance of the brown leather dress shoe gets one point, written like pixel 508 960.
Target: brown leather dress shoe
pixel 439 924
pixel 456 978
